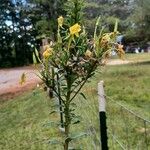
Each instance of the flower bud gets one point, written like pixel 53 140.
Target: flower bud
pixel 60 21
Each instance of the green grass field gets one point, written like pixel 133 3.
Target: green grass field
pixel 26 123
pixel 130 86
pixel 141 57
pixel 138 57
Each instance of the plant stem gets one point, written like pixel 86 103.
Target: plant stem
pixel 66 145
pixel 60 103
pixel 67 117
pixel 67 127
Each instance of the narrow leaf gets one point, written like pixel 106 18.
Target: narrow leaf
pixel 116 26
pixel 71 148
pixel 37 55
pixel 36 52
pixel 75 121
pixel 83 96
pixel 96 26
pixel 79 135
pixel 34 58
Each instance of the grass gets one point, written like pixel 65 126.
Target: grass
pixel 128 85
pixel 22 122
pixel 138 57
pixel 141 57
pixel 25 122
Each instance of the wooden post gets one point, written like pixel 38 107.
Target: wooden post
pixel 102 116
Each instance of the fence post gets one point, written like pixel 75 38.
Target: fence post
pixel 102 116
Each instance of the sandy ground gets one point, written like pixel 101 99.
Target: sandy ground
pixel 118 62
pixel 9 79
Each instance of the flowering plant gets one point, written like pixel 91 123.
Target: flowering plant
pixel 72 59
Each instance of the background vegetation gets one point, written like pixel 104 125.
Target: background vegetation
pixel 23 23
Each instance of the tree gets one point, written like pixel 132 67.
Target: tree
pixel 141 19
pixel 22 24
pixel 6 56
pixel 44 14
pixel 109 10
pixel 17 33
pixel 24 33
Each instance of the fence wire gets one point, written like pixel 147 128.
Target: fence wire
pixel 127 130
pixel 90 119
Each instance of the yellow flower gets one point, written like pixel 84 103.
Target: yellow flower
pixel 88 54
pixel 48 52
pixel 75 29
pixel 60 21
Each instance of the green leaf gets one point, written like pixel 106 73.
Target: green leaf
pixel 34 58
pixel 116 26
pixel 75 121
pixel 78 135
pixel 96 26
pixel 37 55
pixel 73 104
pixel 83 96
pixel 36 52
pixel 71 148
pixel 101 31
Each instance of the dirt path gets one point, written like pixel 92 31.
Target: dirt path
pixel 9 79
pixel 118 62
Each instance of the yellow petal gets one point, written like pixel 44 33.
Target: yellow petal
pixel 22 79
pixel 75 29
pixel 48 52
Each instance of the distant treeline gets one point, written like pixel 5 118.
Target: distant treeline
pixel 24 23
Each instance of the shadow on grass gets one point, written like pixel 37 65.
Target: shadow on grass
pixel 138 63
pixel 143 63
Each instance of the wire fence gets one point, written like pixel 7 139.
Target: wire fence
pixel 126 129
pixel 89 110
